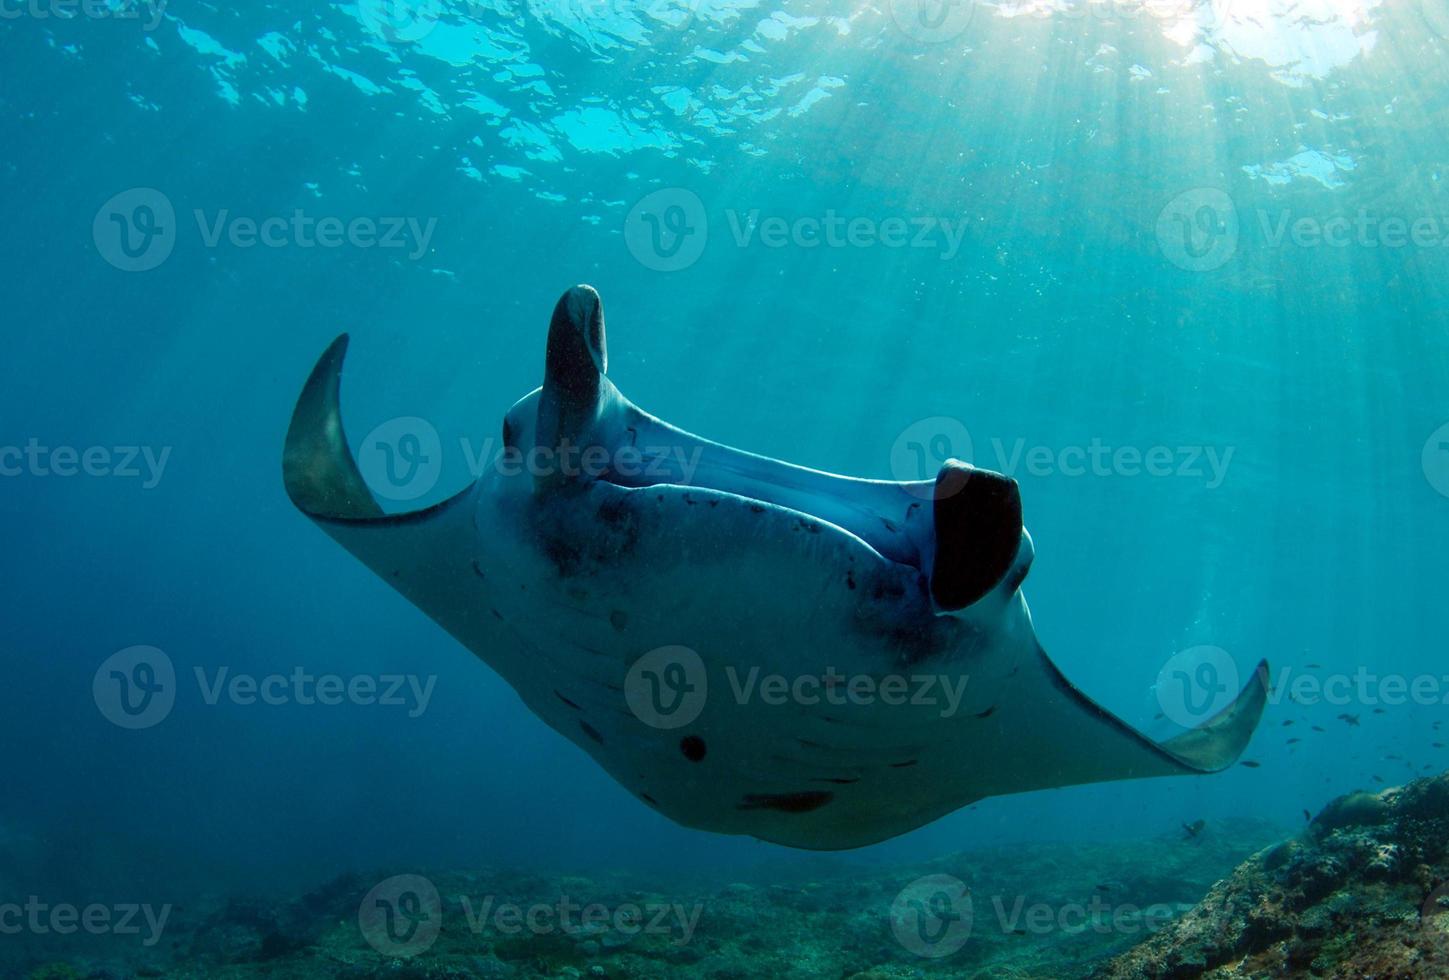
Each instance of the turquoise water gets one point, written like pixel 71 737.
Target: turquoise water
pixel 1060 240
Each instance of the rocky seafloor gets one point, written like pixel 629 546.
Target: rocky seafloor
pixel 1363 891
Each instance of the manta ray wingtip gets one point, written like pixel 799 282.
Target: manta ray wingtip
pixel 318 470
pixel 1218 742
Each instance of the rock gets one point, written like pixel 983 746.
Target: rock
pixel 1357 896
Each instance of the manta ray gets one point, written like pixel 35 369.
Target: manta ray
pixel 746 645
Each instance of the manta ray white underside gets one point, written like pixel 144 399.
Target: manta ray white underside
pixel 637 610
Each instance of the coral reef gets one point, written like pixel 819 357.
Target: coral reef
pixel 1036 911
pixel 1364 892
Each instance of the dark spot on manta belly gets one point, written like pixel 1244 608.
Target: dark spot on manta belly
pixel 567 701
pixel 756 509
pixel 693 748
pixel 591 732
pixel 802 802
pixel 987 713
pixel 904 765
pixel 619 619
pixel 838 780
pixel 649 799
pixel 477 570
pixel 565 555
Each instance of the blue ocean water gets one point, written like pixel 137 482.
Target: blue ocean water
pixel 1177 268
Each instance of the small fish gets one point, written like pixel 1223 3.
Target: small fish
pixel 1193 829
pixel 1307 817
pixel 1288 722
pixel 1436 725
pixel 1313 666
pixel 1317 729
pixel 1378 711
pixel 1437 745
pixel 1250 763
pixel 1378 779
pixel 1350 720
pixel 1294 741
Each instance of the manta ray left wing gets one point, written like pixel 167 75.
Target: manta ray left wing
pixel 427 555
